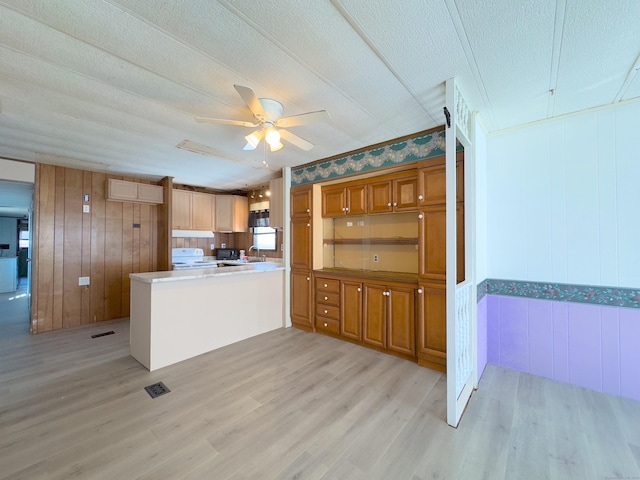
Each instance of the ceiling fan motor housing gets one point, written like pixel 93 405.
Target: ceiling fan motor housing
pixel 272 108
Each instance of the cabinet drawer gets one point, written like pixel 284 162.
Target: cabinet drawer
pixel 330 298
pixel 327 285
pixel 328 311
pixel 330 325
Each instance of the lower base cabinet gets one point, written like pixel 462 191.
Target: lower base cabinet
pixel 381 316
pixel 432 326
pixel 301 295
pixel 389 318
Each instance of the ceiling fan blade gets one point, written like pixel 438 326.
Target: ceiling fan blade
pixel 221 121
pixel 252 102
pixel 296 140
pixel 303 119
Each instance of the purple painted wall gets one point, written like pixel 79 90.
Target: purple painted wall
pixel 482 335
pixel 591 346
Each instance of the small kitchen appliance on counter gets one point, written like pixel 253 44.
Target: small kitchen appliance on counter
pixel 186 258
pixel 227 254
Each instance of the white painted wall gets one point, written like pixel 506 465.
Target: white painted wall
pixel 480 145
pixel 563 199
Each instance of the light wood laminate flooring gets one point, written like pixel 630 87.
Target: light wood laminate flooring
pixel 285 405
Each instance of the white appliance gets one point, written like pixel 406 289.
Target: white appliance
pixel 186 258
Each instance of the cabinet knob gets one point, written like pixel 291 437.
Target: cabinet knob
pixel 325 285
pixel 308 278
pixel 326 298
pixel 359 289
pixel 308 224
pixel 326 313
pixel 419 290
pixel 308 210
pixel 419 197
pixel 326 324
pixel 389 204
pixel 346 209
pixel 395 204
pixel 420 215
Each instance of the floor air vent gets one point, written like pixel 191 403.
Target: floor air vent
pixel 157 389
pixel 110 332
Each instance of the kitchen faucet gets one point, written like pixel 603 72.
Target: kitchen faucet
pixel 263 259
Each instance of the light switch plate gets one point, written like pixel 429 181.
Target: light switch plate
pixel 84 281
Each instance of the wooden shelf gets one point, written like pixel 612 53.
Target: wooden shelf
pixel 370 241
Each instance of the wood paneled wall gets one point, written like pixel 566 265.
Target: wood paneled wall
pixel 107 244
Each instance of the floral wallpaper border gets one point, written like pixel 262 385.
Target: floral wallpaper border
pixel 562 292
pixel 420 147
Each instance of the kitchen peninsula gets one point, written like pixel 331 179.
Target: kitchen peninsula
pixel 176 315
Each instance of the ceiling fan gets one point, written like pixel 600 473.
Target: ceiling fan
pixel 269 119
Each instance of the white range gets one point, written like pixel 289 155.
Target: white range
pixel 187 258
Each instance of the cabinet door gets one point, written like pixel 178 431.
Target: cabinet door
pixel 301 202
pixel 374 315
pixel 432 326
pixel 181 209
pixel 405 192
pixel 224 213
pixel 401 313
pixel 150 193
pixel 122 190
pixel 351 310
pixel 356 200
pixel 240 214
pixel 432 185
pixel 301 299
pixel 202 211
pixel 432 262
pixel 379 197
pixel 333 202
pixel 276 210
pixel 301 244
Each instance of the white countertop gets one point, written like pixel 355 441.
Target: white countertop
pixel 190 274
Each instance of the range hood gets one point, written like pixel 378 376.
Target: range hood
pixel 192 233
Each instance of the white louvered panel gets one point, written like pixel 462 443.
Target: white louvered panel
pixel 463 335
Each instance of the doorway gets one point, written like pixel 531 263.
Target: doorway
pixel 16 203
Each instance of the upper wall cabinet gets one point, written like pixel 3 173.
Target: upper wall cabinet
pixel 232 213
pixel 276 204
pixel 193 210
pixel 124 191
pixel 342 200
pixel 393 195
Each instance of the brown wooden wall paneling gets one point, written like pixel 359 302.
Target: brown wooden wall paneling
pixel 58 253
pixel 44 270
pixel 72 245
pixel 86 316
pixel 101 244
pixel 98 226
pixel 113 259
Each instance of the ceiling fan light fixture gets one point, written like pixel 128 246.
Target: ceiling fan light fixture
pixel 273 138
pixel 276 147
pixel 253 139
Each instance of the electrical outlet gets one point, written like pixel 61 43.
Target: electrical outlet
pixel 224 245
pixel 83 281
pixel 213 246
pixel 375 258
pixel 85 208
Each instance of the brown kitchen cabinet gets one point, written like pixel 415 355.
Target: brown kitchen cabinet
pixel 203 211
pixel 432 262
pixel 351 310
pixel 389 318
pixel 432 181
pixel 301 202
pixel 327 310
pixel 432 331
pixel 301 294
pixel 342 200
pixel 231 213
pixel 126 191
pixel 181 208
pixel 395 194
pixel 301 258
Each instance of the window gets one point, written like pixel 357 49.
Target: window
pixel 264 238
pixel 24 239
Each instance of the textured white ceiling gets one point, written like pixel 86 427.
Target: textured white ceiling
pixel 114 85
